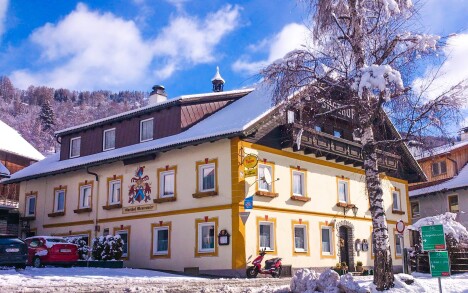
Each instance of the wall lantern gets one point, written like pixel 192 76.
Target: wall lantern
pixel 364 245
pixel 355 210
pixel 358 245
pixel 223 237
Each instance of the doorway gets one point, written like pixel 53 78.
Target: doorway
pixel 344 246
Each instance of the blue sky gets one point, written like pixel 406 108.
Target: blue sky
pixel 134 44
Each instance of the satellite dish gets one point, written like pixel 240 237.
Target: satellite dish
pixel 267 176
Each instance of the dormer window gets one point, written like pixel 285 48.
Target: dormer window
pixel 75 146
pixel 108 139
pixel 146 130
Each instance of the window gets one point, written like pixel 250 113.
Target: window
pixel 207 180
pixel 318 128
pixel 343 190
pixel 146 130
pixel 85 196
pixel 161 240
pixel 263 183
pixel 298 183
pixel 167 183
pixel 108 139
pixel 398 245
pixel 300 238
pixel 75 146
pixel 453 204
pixel 114 191
pixel 266 236
pixel 290 116
pixel 206 237
pixel 326 238
pixel 125 239
pixel 396 206
pixel 337 133
pixel 31 205
pixel 59 204
pixel 439 168
pixel 415 209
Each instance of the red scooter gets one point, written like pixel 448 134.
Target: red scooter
pixel 272 267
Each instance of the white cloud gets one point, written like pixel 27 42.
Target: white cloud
pixel 292 36
pixel 91 50
pixel 454 70
pixel 179 4
pixel 189 40
pixel 3 14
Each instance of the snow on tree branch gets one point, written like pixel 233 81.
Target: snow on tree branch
pixel 378 77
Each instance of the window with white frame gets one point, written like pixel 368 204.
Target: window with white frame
pixel 207 177
pixel 75 147
pixel 167 183
pixel 263 183
pixel 59 205
pixel 298 183
pixel 114 191
pixel 146 130
pixel 396 200
pixel 30 206
pixel 108 139
pixel 300 238
pixel 85 196
pixel 266 236
pixel 327 248
pixel 343 195
pixel 206 237
pixel 161 240
pixel 398 245
pixel 124 235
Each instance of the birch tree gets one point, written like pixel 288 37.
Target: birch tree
pixel 359 52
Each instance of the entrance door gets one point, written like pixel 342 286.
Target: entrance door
pixel 344 249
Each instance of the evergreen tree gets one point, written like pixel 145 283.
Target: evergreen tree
pixel 47 116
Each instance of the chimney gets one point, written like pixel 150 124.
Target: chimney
pixel 158 95
pixel 217 81
pixel 464 134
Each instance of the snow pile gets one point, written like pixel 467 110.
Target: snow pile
pixel 378 77
pixel 451 227
pixel 107 247
pixel 401 285
pixel 308 281
pixel 392 6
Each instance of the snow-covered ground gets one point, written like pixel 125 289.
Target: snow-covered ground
pixel 52 279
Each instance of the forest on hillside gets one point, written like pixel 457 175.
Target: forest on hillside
pixel 37 112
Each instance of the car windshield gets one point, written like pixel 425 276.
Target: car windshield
pixel 4 241
pixel 56 240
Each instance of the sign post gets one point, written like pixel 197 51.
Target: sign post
pixel 433 237
pixel 433 240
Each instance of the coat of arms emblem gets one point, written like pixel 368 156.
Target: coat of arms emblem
pixel 140 190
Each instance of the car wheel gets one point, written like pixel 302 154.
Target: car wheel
pixel 37 262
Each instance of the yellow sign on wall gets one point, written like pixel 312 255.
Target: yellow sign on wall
pixel 250 172
pixel 250 161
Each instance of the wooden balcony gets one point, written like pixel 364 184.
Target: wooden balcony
pixel 334 148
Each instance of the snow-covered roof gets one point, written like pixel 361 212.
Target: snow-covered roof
pixel 4 172
pixel 233 119
pixel 442 149
pixel 151 107
pixel 12 142
pixel 459 181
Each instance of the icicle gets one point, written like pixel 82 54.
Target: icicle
pixel 299 138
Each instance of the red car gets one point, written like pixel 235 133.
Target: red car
pixel 50 250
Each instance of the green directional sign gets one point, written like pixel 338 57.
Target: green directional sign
pixel 439 263
pixel 433 237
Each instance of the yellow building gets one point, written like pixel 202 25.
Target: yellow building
pixel 171 179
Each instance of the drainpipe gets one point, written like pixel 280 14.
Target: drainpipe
pixel 455 162
pixel 96 176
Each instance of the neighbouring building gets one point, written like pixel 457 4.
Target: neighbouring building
pixel 171 179
pixel 447 187
pixel 15 154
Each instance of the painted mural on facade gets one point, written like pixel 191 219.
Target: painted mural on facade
pixel 140 190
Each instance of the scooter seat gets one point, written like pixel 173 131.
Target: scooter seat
pixel 271 262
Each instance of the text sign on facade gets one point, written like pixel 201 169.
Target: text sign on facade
pixel 439 263
pixel 139 208
pixel 250 173
pixel 433 237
